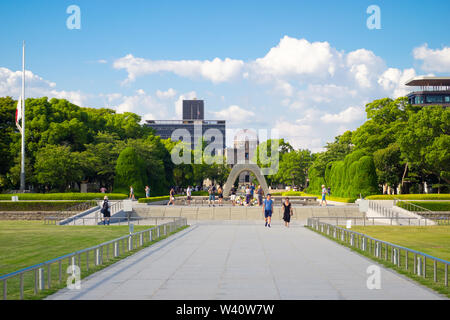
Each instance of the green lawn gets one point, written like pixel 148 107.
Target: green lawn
pixel 430 205
pixel 434 240
pixel 430 196
pixel 25 243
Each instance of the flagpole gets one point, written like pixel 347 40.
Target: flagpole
pixel 22 167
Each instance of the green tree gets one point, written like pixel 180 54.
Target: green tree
pixel 389 165
pixel 130 171
pixel 424 141
pixel 57 167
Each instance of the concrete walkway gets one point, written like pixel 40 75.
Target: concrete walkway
pixel 244 261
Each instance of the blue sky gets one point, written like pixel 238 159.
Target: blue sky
pixel 304 67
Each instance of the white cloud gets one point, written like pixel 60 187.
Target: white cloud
pixel 349 115
pixel 297 57
pixel 35 86
pixel 141 103
pixel 179 103
pixel 433 60
pixel 102 61
pixel 216 70
pixel 393 81
pixel 170 93
pixel 235 115
pixel 300 136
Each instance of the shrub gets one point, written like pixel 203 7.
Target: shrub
pixel 200 193
pixel 433 196
pixel 332 198
pixel 292 193
pixel 40 205
pixel 64 196
pixel 154 199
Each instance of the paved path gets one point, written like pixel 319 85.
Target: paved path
pixel 244 261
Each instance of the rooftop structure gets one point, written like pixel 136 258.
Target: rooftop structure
pixel 431 91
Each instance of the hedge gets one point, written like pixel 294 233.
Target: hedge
pixel 200 193
pixel 332 198
pixel 40 205
pixel 430 205
pixel 154 199
pixel 63 196
pixel 292 193
pixel 433 196
pixel 348 178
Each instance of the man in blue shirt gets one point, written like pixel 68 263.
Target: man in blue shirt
pixel 268 209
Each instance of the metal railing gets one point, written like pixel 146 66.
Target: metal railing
pixel 113 220
pixel 408 259
pixel 363 221
pixel 411 207
pixel 384 211
pixel 80 207
pixel 30 281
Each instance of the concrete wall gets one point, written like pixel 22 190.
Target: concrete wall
pixel 241 213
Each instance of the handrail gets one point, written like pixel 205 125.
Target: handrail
pixel 375 246
pixel 408 204
pixel 133 240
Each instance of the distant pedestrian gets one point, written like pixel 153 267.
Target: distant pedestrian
pixel 171 197
pixel 147 191
pixel 287 212
pixel 252 190
pixel 324 193
pixel 329 191
pixel 268 209
pixel 189 195
pixel 233 196
pixel 131 193
pixel 260 194
pixel 105 211
pixel 212 195
pixel 220 194
pixel 247 195
pixel 103 190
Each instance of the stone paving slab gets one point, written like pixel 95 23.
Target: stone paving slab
pixel 244 260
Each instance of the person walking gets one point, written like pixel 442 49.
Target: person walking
pixel 220 194
pixel 171 197
pixel 105 211
pixel 147 191
pixel 189 195
pixel 287 212
pixel 252 190
pixel 268 209
pixel 131 193
pixel 260 193
pixel 324 193
pixel 212 195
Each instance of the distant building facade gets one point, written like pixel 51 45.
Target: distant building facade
pixel 245 144
pixel 193 122
pixel 431 91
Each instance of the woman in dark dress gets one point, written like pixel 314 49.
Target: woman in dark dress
pixel 287 209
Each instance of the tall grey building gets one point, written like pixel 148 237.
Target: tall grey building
pixel 193 109
pixel 193 122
